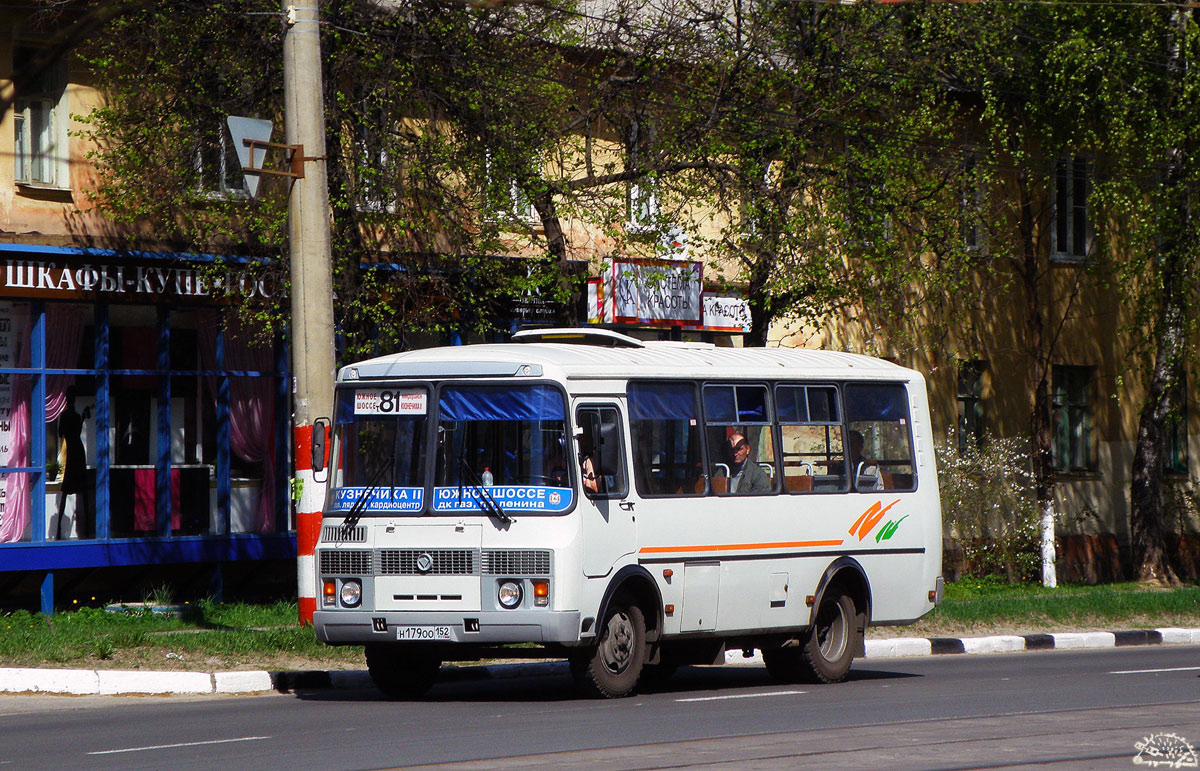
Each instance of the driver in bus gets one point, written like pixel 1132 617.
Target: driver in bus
pixel 746 477
pixel 591 482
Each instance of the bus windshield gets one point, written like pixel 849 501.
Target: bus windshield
pixel 499 449
pixel 379 446
pixel 508 443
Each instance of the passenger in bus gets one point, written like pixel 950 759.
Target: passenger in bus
pixel 856 449
pixel 866 472
pixel 746 477
pixel 591 482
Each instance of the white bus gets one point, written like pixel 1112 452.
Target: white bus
pixel 630 506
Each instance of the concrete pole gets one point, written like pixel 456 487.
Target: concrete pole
pixel 311 274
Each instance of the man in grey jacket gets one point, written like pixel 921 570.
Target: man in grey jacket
pixel 746 477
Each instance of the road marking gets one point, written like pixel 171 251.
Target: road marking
pixel 1149 671
pixel 742 696
pixel 181 744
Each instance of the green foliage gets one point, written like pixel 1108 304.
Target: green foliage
pixel 989 514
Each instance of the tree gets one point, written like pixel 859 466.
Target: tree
pixel 832 166
pixel 457 135
pixel 1141 114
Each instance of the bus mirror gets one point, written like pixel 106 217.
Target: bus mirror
pixel 608 438
pixel 320 431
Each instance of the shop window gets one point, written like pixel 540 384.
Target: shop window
pixel 40 124
pixel 741 447
pixel 879 439
pixel 970 405
pixel 810 429
pixel 1072 418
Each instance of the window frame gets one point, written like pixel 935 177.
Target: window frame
pixel 616 492
pixel 1071 180
pixel 970 405
pixel 46 164
pixel 697 428
pixel 839 423
pixel 1072 422
pixel 768 422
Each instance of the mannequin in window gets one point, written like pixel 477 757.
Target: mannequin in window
pixel 73 460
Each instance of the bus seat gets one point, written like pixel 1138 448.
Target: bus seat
pixel 888 479
pixel 798 484
pixel 720 485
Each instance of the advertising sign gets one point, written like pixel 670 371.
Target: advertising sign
pixel 649 291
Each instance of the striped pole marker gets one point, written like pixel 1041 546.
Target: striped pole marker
pixel 308 523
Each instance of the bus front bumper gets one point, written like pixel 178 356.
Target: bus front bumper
pixel 487 627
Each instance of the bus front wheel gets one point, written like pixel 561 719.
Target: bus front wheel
pixel 402 672
pixel 825 652
pixel 611 669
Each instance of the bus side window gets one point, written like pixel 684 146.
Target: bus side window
pixel 664 426
pixel 880 437
pixel 741 446
pixel 810 431
pixel 601 456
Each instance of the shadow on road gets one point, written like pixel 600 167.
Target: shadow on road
pixel 558 686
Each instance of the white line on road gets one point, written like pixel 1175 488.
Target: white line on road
pixel 181 744
pixel 1148 671
pixel 742 696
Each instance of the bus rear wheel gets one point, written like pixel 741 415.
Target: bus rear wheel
pixel 611 669
pixel 826 651
pixel 402 672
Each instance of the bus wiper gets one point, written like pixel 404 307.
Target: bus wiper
pixel 355 512
pixel 485 498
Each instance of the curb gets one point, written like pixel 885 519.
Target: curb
pixel 113 682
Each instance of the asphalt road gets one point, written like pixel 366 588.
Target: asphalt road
pixel 1088 709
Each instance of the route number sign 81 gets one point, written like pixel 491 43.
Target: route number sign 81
pixel 386 401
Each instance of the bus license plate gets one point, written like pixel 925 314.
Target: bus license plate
pixel 423 633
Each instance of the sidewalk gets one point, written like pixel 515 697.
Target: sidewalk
pixel 109 682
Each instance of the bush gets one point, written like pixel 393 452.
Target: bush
pixel 990 519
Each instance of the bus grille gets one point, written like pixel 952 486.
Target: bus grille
pixel 346 562
pixel 516 562
pixel 337 533
pixel 446 562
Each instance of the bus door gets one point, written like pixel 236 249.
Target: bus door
pixel 609 532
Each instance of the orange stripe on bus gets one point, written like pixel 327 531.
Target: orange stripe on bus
pixel 738 546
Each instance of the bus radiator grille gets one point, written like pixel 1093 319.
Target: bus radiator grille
pixel 446 562
pixel 337 533
pixel 516 562
pixel 346 562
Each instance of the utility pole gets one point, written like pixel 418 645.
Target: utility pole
pixel 311 294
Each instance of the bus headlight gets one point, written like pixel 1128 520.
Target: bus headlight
pixel 509 594
pixel 351 592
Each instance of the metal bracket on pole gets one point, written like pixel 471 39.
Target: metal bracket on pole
pixel 296 158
